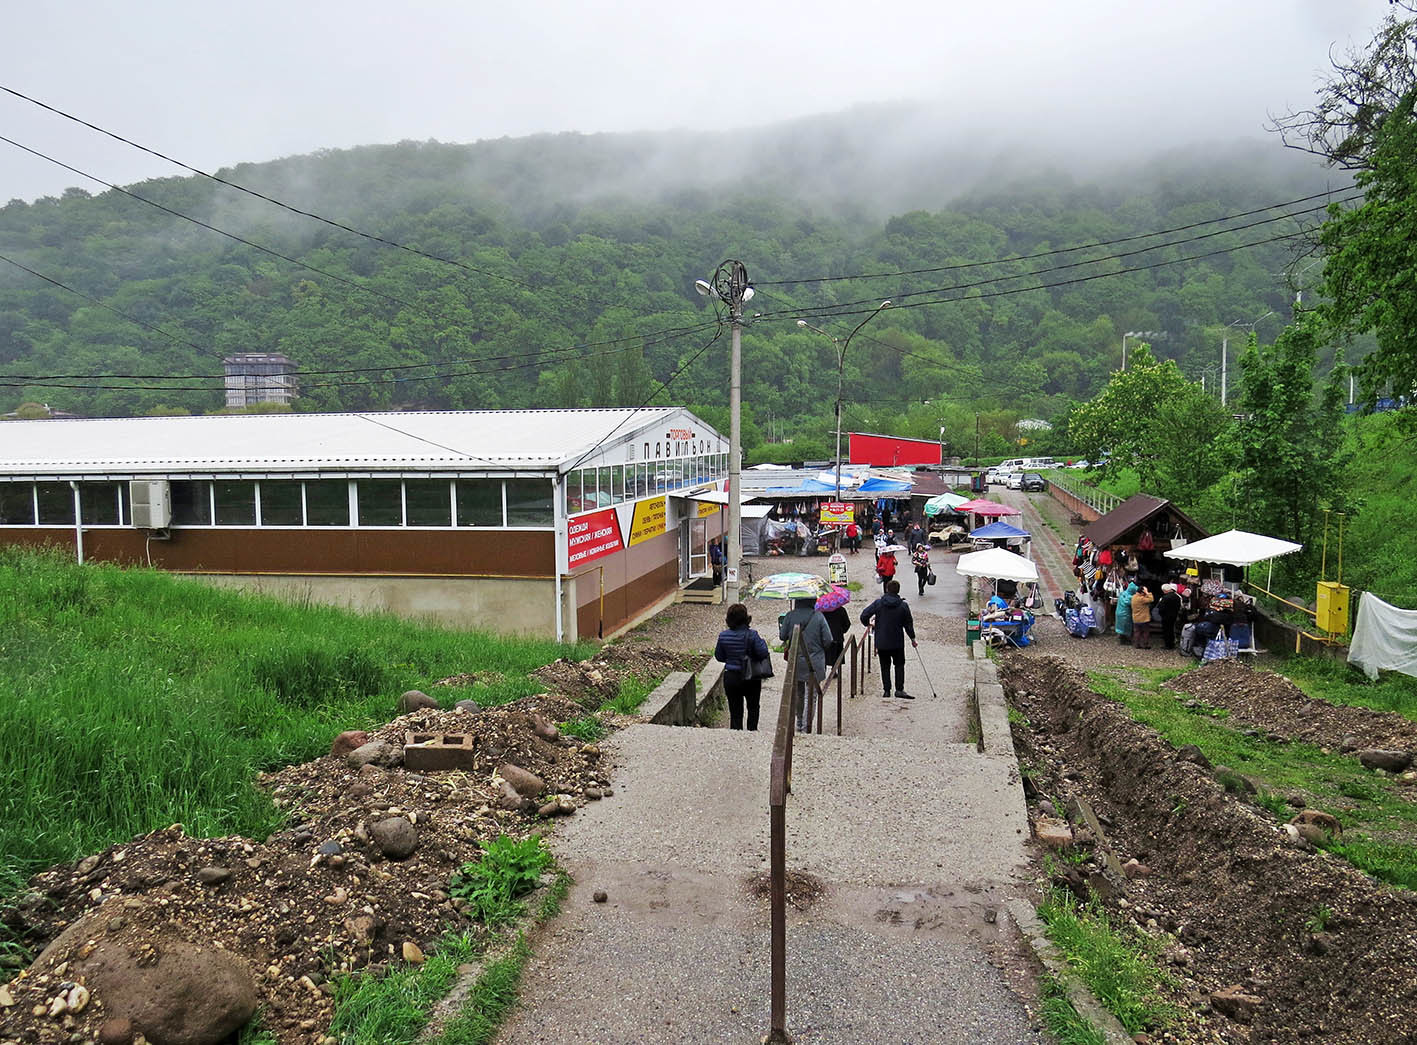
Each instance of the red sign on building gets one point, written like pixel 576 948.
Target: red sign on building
pixel 591 536
pixel 885 451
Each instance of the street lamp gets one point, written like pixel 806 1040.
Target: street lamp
pixel 1137 333
pixel 730 285
pixel 1225 351
pixel 841 346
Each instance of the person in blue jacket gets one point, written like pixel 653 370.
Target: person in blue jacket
pixel 737 645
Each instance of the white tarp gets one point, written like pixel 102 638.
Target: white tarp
pixel 1234 548
pixel 997 564
pixel 1384 638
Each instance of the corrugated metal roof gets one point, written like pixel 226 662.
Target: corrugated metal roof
pixel 470 439
pixel 1130 514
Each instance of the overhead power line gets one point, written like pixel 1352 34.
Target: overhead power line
pixel 548 355
pixel 847 311
pixel 900 296
pixel 1327 193
pixel 222 232
pixel 262 196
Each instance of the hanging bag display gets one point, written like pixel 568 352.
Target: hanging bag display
pixel 1147 543
pixel 1178 539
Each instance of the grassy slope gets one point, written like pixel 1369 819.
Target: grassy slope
pixel 132 699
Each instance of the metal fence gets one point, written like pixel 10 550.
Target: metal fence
pixel 1099 501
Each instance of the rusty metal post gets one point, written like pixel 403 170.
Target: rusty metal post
pixel 778 1032
pixel 855 654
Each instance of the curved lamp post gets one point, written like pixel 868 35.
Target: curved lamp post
pixel 841 346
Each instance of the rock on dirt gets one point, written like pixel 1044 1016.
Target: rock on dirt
pixel 347 742
pixel 1386 760
pixel 523 782
pixel 1055 834
pixel 1236 1003
pixel 416 700
pixel 167 987
pixel 373 753
pixel 396 837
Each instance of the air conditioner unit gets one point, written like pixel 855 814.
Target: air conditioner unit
pixel 150 501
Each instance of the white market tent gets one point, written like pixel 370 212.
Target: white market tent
pixel 997 564
pixel 1234 548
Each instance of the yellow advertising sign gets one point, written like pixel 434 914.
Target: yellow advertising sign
pixel 707 508
pixel 650 520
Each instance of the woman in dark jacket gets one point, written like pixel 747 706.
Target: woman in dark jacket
pixel 737 646
pixel 839 621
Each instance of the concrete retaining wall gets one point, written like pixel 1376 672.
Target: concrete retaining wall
pixel 672 703
pixel 1074 505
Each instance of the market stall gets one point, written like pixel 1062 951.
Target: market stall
pixel 1008 625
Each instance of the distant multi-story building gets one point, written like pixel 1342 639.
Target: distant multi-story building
pixel 259 377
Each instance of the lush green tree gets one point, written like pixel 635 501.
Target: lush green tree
pixel 1291 454
pixel 1363 121
pixel 1151 420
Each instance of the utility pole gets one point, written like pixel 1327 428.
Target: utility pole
pixel 1224 363
pixel 976 440
pixel 730 285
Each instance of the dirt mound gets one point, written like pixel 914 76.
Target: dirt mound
pixel 1233 901
pixel 803 888
pixel 592 682
pixel 1272 703
pixel 317 897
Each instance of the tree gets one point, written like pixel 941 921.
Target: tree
pixel 1364 122
pixel 1292 462
pixel 1150 419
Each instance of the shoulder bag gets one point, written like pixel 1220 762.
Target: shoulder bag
pixel 755 667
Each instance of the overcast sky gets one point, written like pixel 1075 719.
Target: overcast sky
pixel 218 84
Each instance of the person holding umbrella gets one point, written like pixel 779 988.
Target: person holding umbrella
pixel 832 606
pixel 811 655
pixel 890 616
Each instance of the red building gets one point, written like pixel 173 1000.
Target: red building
pixel 887 451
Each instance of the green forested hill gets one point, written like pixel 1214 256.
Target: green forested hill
pixel 573 239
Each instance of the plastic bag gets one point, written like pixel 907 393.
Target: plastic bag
pixel 1220 648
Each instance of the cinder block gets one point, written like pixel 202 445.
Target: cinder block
pixel 434 752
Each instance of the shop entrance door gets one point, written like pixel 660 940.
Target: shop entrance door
pixel 693 550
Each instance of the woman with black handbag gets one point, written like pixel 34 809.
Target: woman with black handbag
pixel 746 662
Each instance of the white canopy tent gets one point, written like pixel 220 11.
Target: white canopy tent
pixel 997 564
pixel 1235 548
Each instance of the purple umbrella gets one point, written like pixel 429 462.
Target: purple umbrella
pixel 838 596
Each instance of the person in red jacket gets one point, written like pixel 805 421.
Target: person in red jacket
pixel 885 566
pixel 853 537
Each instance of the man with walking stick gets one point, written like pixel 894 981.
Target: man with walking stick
pixel 890 616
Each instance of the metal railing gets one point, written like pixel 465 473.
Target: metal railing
pixel 1098 500
pixel 855 654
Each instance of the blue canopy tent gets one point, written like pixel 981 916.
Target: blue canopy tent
pixel 999 531
pixel 883 487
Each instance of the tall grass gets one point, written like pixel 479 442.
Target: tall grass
pixel 132 699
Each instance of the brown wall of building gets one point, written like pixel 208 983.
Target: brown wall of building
pixel 456 553
pixel 634 578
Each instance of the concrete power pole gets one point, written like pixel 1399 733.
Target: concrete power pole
pixel 730 285
pixel 1224 361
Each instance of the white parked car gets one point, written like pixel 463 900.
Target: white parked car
pixel 1014 481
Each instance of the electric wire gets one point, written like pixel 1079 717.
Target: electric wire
pixel 7 382
pixel 1052 252
pixel 778 317
pixel 262 196
pixel 664 386
pixel 547 352
pixel 222 232
pixel 898 299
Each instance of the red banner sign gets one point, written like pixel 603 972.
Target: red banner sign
pixel 591 536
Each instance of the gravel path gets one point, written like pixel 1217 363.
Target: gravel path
pixel 915 835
